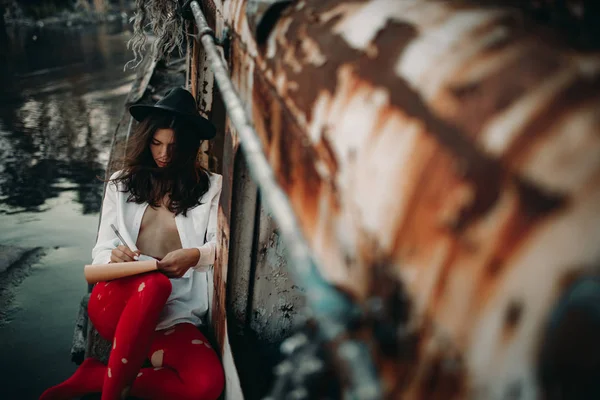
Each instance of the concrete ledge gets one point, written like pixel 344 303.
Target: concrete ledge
pixel 80 332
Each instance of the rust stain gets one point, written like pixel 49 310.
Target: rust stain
pixel 327 155
pixel 220 283
pixel 475 103
pixel 430 215
pixel 295 165
pixel 438 371
pixel 261 114
pixel 467 214
pixel 443 379
pixel 582 91
pixel 194 67
pixel 533 206
pixel 391 41
pixel 209 8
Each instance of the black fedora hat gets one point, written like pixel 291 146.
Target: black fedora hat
pixel 181 103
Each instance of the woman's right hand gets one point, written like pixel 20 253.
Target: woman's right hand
pixel 123 254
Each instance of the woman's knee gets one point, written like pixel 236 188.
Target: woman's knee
pixel 206 389
pixel 157 282
pixel 101 312
pixel 209 383
pixel 97 300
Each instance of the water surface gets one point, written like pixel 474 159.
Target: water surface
pixel 62 93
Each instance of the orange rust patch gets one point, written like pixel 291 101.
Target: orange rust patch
pixel 532 208
pixel 291 155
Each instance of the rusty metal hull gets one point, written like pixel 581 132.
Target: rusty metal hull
pixel 453 149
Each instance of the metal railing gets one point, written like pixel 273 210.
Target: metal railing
pixel 332 311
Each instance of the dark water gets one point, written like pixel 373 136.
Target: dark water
pixel 61 95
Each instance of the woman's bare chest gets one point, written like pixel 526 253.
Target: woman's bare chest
pixel 158 233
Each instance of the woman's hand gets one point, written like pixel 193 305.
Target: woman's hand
pixel 123 254
pixel 176 263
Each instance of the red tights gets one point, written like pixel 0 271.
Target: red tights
pixel 126 311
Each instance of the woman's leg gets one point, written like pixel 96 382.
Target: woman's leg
pixel 139 300
pixel 134 332
pixel 185 367
pixel 107 301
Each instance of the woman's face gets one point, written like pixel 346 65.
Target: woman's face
pixel 161 146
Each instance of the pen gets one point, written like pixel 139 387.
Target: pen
pixel 120 237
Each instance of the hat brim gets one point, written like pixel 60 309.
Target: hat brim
pixel 205 129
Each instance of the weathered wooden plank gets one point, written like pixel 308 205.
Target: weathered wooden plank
pixel 218 311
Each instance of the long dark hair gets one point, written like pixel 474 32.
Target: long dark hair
pixel 182 178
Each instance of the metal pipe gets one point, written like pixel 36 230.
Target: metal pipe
pixel 128 132
pixel 330 308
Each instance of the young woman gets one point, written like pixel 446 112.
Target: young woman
pixel 165 207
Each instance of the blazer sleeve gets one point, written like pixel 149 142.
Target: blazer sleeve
pixel 107 240
pixel 208 251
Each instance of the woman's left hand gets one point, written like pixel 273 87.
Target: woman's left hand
pixel 176 263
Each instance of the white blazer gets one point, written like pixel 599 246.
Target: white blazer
pixel 188 301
